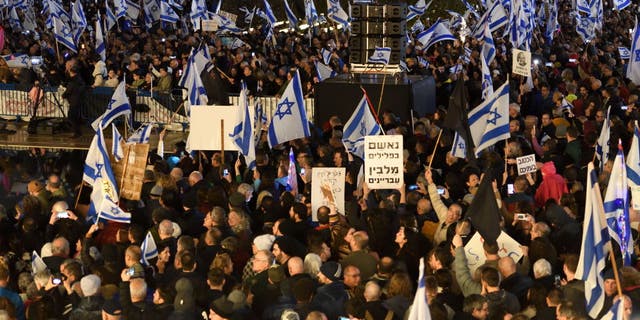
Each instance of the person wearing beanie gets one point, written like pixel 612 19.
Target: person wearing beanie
pixel 184 306
pixel 90 306
pixel 332 295
pixel 111 310
pixel 221 309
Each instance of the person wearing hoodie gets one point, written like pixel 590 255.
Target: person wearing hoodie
pixel 553 185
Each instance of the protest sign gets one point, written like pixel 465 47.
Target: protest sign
pixel 327 189
pixel 206 127
pixel 383 166
pixel 475 254
pixel 526 164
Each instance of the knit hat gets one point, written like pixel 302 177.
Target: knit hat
pixel 332 270
pixel 264 242
pixel 222 307
pixel 236 199
pixel 90 284
pixel 184 296
pixel 112 307
pixel 35 186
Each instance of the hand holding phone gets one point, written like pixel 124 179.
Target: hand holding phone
pixel 521 216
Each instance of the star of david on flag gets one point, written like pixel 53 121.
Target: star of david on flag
pixel 290 119
pixel 489 122
pixel 63 34
pixel 361 123
pixel 380 55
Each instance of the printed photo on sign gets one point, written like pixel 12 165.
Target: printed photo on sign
pixel 383 165
pixel 526 164
pixel 521 62
pixel 507 247
pixel 327 189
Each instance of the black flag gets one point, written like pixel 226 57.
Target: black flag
pixel 483 211
pixel 457 119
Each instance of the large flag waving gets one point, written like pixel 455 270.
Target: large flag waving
pixel 420 307
pixel 436 33
pixel 616 207
pixel 101 49
pixel 243 136
pixel 142 134
pixel 109 210
pixel 289 122
pixel 293 21
pixel 489 122
pixel 633 69
pixel 595 246
pixel 336 13
pixel 361 123
pixel 63 34
pixel 633 160
pixel 118 106
pixel 380 55
pixel 98 173
pixel 195 89
pixel 167 13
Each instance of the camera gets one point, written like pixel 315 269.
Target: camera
pixel 62 215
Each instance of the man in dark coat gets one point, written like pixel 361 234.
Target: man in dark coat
pixel 73 94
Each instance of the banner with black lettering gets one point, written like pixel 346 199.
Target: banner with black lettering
pixel 526 164
pixel 383 167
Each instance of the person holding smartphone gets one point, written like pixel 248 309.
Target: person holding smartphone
pixel 447 216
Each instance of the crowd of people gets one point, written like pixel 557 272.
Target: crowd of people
pixel 239 243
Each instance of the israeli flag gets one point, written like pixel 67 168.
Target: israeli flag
pixel 271 18
pixel 118 106
pixel 418 9
pixel 552 22
pixel 149 249
pixel 487 81
pixel 237 43
pixel 167 14
pixel 621 4
pixel 489 122
pixel 420 306
pixel 17 61
pixel 380 56
pixel 98 173
pixel 14 20
pixel 633 69
pixel 101 48
pixel 142 135
pixel 111 18
pixel 243 135
pixel 471 9
pixel 361 123
pixel 326 55
pixel 109 210
pixel 459 147
pixel 456 20
pixel 63 34
pixel 436 33
pixel 116 143
pixel 337 14
pixel 602 144
pixel 133 9
pixel 495 17
pixel 289 121
pixel 310 12
pixel 324 71
pixel 624 52
pixel 201 59
pixel 151 12
pixel 616 312
pixel 224 23
pixel 198 12
pixel 594 251
pixel 417 26
pixel 248 14
pixel 633 159
pixel 79 21
pixel 293 21
pixel 585 27
pixel 121 8
pixel 37 264
pixel 196 91
pixel 616 207
pixel 489 46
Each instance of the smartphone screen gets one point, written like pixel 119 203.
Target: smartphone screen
pixel 510 188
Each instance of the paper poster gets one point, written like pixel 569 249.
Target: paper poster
pixel 207 127
pixel 521 62
pixel 209 25
pixel 475 254
pixel 383 166
pixel 526 164
pixel 129 172
pixel 327 189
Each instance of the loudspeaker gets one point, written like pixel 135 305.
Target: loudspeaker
pixel 363 11
pixel 362 43
pixel 388 28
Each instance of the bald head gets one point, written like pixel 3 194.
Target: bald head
pixel 296 266
pixel 506 266
pixel 372 291
pixel 176 173
pixel 60 247
pixel 195 177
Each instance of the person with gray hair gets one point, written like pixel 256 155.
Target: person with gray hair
pixel 133 293
pixel 476 306
pixel 60 251
pixel 312 263
pixel 543 274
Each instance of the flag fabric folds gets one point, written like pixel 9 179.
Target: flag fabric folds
pixel 109 210
pixel 78 20
pixel 149 249
pixel 63 34
pixel 420 307
pixel 624 52
pixel 310 12
pixel 436 33
pixel 621 4
pixel 483 211
pixel 271 18
pixel 101 48
pixel 458 147
pixel 324 71
pixel 118 106
pixel 633 69
pixel 326 55
pixel 418 9
pixel 381 55
pixel 195 89
pixel 293 21
pixel 487 81
pixel 457 116
pixel 602 144
pixel 98 173
pixel 489 122
pixel 489 46
pixel 243 132
pixel 111 18
pixel 595 246
pixel 198 12
pixel 292 173
pixel 289 121
pixel 121 8
pixel 167 13
pixel 17 60
pixel 337 14
pixel 633 160
pixel 361 123
pixel 616 207
pixel 116 143
pixel 142 134
pixel 616 312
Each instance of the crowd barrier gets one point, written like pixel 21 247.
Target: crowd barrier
pixel 156 107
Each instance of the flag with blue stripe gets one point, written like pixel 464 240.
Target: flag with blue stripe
pixel 585 28
pixel 310 12
pixel 456 19
pixel 195 89
pixel 495 17
pixel 417 26
pixel 616 207
pixel 248 14
pixel 109 210
pixel 271 18
pixel 624 52
pixel 167 13
pixel 151 12
pixel 420 307
pixel 37 264
pixel 361 123
pixel 489 46
pixel 552 22
pixel 111 18
pixel 617 310
pixel 121 8
pixel 418 9
pixel 489 122
pixel 243 132
pixel 621 4
pixel 17 60
pixel 260 117
pixel 63 34
pixel 633 159
pixel 471 9
pixel 142 134
pixel 149 249
pixel 337 14
pixel 118 106
pixel 436 33
pixel 116 143
pixel 633 67
pixel 224 24
pixel 326 55
pixel 78 20
pixel 594 251
pixel 14 20
pixel 381 55
pixel 289 121
pixel 202 59
pixel 459 147
pixel 101 48
pixel 602 144
pixel 198 12
pixel 324 71
pixel 133 9
pixel 98 173
pixel 487 81
pixel 292 173
pixel 293 21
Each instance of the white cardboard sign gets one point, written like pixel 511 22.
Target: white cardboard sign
pixel 327 189
pixel 206 122
pixel 521 62
pixel 383 166
pixel 526 164
pixel 475 254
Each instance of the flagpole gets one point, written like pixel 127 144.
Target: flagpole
pixel 126 163
pixel 78 195
pixel 433 154
pixel 384 79
pixel 615 270
pixel 375 114
pixel 222 140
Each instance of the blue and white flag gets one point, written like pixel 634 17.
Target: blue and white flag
pixel 149 249
pixel 121 8
pixel 466 56
pixel 616 312
pixel 236 43
pixel 118 106
pixel 78 20
pixel 109 210
pixel 337 14
pixel 289 121
pixel 456 20
pixel 133 9
pixel 381 55
pixel 63 34
pixel 585 27
pixel 293 21
pixel 594 251
pixel 633 159
pixel 420 306
pixel 116 143
pixel 324 71
pixel 436 33
pixel 202 59
pixel 292 173
pixel 489 122
pixel 101 48
pixel 616 207
pixel 37 264
pixel 243 132
pixel 495 17
pixel 151 12
pixel 487 81
pixel 624 52
pixel 471 9
pixel 362 123
pixel 459 147
pixel 167 13
pixel 111 18
pixel 417 26
pixel 195 89
pixel 271 18
pixel 198 13
pixel 224 24
pixel 310 12
pixel 14 20
pixel 418 9
pixel 552 22
pixel 17 60
pixel 260 117
pixel 98 173
pixel 621 4
pixel 489 46
pixel 142 134
pixel 633 69
pixel 602 144
pixel 326 55
pixel 248 14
